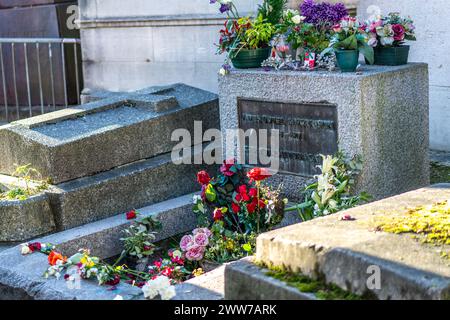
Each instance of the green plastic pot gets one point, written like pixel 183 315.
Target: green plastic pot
pixel 253 58
pixel 347 60
pixel 391 56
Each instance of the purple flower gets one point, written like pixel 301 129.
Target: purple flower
pixel 224 8
pixel 323 13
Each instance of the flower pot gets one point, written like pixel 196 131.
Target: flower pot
pixel 391 56
pixel 347 60
pixel 247 59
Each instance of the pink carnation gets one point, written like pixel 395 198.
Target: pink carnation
pixel 186 242
pixel 195 253
pixel 201 239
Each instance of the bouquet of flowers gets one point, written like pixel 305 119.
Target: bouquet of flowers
pixel 390 31
pixel 350 34
pixel 239 199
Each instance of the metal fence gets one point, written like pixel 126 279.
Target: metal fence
pixel 38 76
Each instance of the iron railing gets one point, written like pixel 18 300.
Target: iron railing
pixel 37 76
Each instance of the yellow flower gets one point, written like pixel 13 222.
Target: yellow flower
pixel 230 245
pixel 87 261
pixel 198 272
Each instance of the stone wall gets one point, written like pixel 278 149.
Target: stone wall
pixel 128 45
pixel 431 47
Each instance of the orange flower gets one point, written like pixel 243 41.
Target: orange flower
pixel 54 257
pixel 258 174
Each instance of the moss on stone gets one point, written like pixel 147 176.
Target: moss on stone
pixel 439 173
pixel 429 224
pixel 319 288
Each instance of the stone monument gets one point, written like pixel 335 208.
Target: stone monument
pixel 380 113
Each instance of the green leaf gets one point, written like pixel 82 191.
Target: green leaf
pixel 367 52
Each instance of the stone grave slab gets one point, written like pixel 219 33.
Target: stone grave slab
pixel 342 251
pixel 380 113
pixel 124 188
pixel 23 220
pixel 101 135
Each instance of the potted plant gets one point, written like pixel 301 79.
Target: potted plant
pixel 245 40
pixel 387 35
pixel 350 39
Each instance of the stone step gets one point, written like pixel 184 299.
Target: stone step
pixel 246 281
pixel 21 276
pixel 131 186
pixel 101 135
pixel 209 286
pixel 103 237
pixel 346 253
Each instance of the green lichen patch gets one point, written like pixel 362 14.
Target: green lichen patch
pixel 320 289
pixel 429 224
pixel 439 173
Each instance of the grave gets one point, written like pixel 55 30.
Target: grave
pixel 380 113
pixel 104 158
pixel 346 253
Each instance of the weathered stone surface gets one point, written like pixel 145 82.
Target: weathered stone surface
pixel 246 281
pixel 135 185
pixel 342 251
pixel 102 135
pixel 209 286
pixel 21 278
pixel 103 237
pixel 26 219
pixel 382 116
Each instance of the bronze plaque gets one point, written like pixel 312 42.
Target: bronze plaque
pixel 306 131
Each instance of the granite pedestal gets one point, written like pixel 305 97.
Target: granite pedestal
pixel 380 113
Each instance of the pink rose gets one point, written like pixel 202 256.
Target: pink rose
pixel 202 230
pixel 374 25
pixel 195 253
pixel 186 242
pixel 399 32
pixel 201 239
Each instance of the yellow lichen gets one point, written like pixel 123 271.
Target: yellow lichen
pixel 430 224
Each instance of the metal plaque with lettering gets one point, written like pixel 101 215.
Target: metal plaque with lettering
pixel 306 130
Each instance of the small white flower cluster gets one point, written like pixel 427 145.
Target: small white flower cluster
pixel 294 16
pixel 159 286
pixel 55 271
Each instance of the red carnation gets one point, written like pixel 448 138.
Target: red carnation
pixel 235 208
pixel 203 178
pixel 242 189
pixel 131 214
pixel 258 174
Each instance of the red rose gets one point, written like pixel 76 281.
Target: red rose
pixel 258 174
pixel 131 214
pixel 203 178
pixel 238 197
pixel 399 32
pixel 253 192
pixel 235 208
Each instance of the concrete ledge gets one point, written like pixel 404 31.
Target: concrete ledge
pixel 246 281
pixel 342 251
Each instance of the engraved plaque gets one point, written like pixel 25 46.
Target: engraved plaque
pixel 306 130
